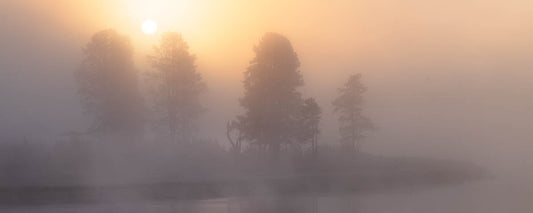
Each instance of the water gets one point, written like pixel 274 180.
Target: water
pixel 487 196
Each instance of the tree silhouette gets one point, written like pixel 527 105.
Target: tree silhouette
pixel 108 84
pixel 349 107
pixel 271 100
pixel 235 136
pixel 176 86
pixel 310 119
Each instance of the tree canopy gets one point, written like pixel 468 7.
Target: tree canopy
pixel 108 84
pixel 349 106
pixel 271 99
pixel 176 86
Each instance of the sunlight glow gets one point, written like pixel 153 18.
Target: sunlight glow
pixel 149 27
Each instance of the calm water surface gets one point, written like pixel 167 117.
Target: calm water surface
pixel 488 196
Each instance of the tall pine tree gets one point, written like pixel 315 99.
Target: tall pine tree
pixel 176 87
pixel 271 99
pixel 349 107
pixel 310 114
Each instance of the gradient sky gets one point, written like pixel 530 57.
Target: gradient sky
pixel 446 78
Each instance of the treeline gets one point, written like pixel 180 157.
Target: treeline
pixel 275 118
pixel 277 122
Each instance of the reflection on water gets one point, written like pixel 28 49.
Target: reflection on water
pixel 479 197
pixel 261 204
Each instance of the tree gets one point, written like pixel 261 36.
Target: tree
pixel 176 86
pixel 271 100
pixel 108 84
pixel 235 136
pixel 310 119
pixel 349 107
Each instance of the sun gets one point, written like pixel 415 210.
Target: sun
pixel 149 27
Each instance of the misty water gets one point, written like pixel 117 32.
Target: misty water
pixel 484 196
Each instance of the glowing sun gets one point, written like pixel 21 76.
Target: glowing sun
pixel 149 27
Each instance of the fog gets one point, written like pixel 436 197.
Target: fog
pixel 446 80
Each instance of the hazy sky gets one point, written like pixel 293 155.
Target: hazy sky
pixel 446 78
